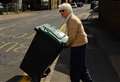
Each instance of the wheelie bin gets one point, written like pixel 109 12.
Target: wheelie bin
pixel 47 43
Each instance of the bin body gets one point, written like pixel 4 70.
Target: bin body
pixel 41 53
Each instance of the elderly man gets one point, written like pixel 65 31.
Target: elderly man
pixel 77 42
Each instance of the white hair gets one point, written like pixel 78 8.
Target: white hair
pixel 67 7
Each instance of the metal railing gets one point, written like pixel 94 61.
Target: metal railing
pixel 9 7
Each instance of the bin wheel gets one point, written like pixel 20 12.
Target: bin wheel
pixel 46 72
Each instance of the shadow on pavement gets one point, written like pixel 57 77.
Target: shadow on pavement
pixel 63 62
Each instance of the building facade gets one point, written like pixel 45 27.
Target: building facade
pixel 45 4
pixel 32 4
pixel 35 4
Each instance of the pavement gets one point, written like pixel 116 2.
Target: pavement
pixel 105 45
pixel 109 41
pixel 103 53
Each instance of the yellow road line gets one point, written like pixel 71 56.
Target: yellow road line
pixel 12 47
pixel 5 45
pixel 23 35
pixel 21 46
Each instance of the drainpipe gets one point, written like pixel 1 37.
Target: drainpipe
pixel 19 4
pixel 49 5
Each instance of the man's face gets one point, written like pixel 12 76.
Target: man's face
pixel 64 13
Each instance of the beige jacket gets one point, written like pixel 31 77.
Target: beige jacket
pixel 75 31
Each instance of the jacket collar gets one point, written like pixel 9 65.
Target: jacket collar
pixel 68 17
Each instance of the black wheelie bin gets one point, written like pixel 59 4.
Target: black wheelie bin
pixel 47 43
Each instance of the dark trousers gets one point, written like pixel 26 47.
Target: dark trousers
pixel 78 70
